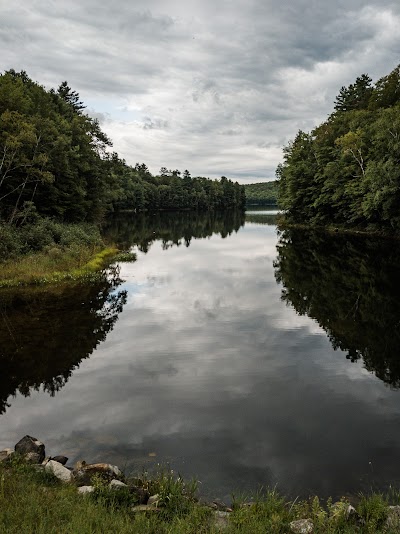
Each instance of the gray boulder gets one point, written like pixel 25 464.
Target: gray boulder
pixel 59 471
pixel 117 484
pixel 153 500
pixel 6 455
pixel 84 490
pixel 33 458
pixel 28 444
pixel 83 472
pixel 393 519
pixel 302 526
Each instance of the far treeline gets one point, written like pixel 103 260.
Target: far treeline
pixel 55 161
pixel 347 170
pixel 262 194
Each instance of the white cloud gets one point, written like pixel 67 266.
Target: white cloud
pixel 215 88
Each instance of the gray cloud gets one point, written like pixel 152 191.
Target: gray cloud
pixel 260 69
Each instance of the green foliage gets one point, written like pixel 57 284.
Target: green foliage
pixel 55 162
pixel 346 171
pixel 46 234
pixel 262 194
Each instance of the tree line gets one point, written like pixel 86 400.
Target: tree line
pixel 262 194
pixel 346 171
pixel 55 161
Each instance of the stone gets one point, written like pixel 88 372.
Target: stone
pixel 141 494
pixel 217 504
pixel 84 490
pixel 33 458
pixel 393 519
pixel 302 526
pixel 117 484
pixel 5 455
pixel 29 444
pixel 153 500
pixel 351 512
pixel 83 474
pixel 60 459
pixel 221 519
pixel 59 471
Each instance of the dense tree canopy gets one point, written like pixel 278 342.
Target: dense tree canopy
pixel 346 171
pixel 56 161
pixel 261 194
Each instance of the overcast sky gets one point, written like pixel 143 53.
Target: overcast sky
pixel 214 86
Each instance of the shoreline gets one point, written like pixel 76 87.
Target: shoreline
pixel 101 498
pixel 97 261
pixel 335 229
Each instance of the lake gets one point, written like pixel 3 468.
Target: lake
pixel 234 352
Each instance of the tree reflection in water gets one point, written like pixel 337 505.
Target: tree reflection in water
pixel 46 332
pixel 350 286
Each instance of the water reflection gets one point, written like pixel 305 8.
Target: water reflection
pixel 208 368
pixel 172 229
pixel 350 286
pixel 46 332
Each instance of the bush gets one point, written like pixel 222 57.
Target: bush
pixel 10 242
pixel 45 235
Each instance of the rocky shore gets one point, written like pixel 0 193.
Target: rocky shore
pixel 139 496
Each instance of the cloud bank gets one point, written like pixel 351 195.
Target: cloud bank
pixel 216 88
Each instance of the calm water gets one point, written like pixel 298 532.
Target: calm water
pixel 236 353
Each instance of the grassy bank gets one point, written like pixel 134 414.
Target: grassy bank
pixel 55 265
pixel 49 251
pixel 34 501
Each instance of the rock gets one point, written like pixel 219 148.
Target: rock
pixel 83 490
pixel 5 455
pixel 59 471
pixel 117 484
pixel 141 494
pixel 153 500
pixel 79 464
pixel 60 459
pixel 29 444
pixel 351 512
pixel 393 519
pixel 217 504
pixel 33 458
pixel 221 519
pixel 83 474
pixel 302 526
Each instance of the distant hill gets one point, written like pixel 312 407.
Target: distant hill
pixel 262 194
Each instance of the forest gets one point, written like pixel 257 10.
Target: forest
pixel 55 161
pixel 262 194
pixel 346 171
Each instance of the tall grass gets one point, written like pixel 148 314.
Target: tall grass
pixel 35 502
pixel 50 251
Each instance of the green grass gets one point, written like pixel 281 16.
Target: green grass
pixel 55 265
pixel 35 502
